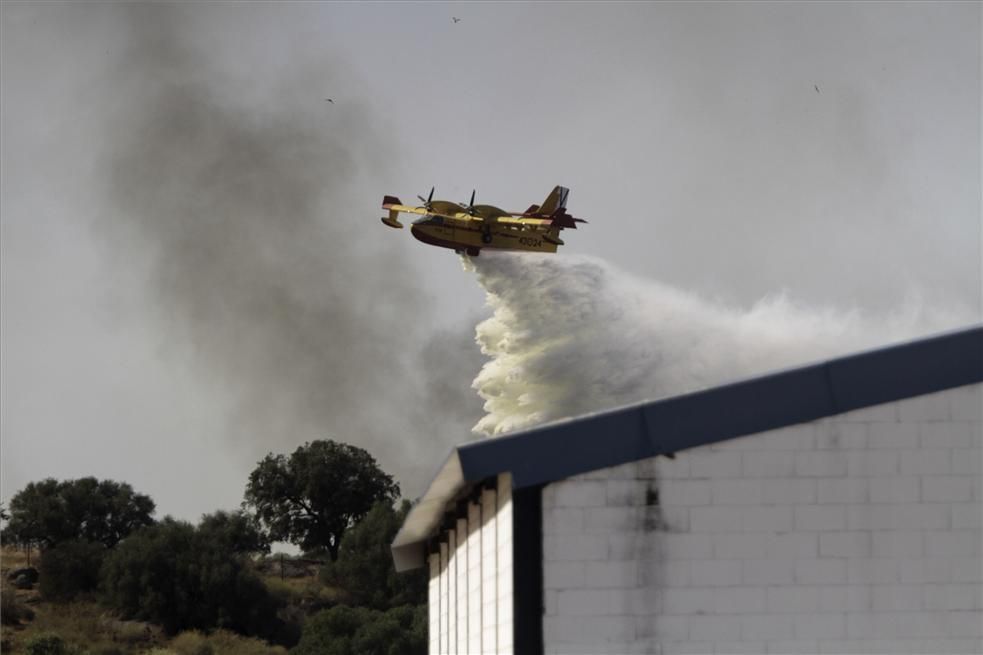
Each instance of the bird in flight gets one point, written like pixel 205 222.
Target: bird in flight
pixel 329 100
pixel 816 87
pixel 455 19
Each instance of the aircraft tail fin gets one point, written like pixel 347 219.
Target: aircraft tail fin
pixel 555 209
pixel 556 201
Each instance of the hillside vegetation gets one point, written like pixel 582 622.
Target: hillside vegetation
pixel 106 578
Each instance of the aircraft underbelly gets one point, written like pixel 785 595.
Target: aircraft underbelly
pixel 462 238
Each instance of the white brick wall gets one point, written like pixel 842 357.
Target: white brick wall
pixel 470 591
pixel 859 533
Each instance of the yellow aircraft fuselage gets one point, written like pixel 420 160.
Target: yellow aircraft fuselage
pixel 472 228
pixel 461 235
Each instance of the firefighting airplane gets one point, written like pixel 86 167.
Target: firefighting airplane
pixel 470 228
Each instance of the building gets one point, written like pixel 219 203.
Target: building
pixel 833 508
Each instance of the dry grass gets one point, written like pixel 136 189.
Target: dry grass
pixel 86 625
pixel 221 642
pixel 14 558
pixel 11 559
pixel 81 624
pixel 91 627
pixel 304 592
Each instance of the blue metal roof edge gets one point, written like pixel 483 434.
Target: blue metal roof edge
pixel 560 450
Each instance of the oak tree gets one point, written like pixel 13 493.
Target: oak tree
pixel 313 496
pixel 50 512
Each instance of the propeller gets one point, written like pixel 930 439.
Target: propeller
pixel 428 201
pixel 470 208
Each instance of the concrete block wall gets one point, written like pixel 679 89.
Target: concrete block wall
pixel 470 588
pixel 859 533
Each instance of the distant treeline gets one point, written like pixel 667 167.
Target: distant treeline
pixel 98 540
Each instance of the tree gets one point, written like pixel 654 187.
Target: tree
pixel 365 569
pixel 50 512
pixel 36 515
pixel 344 630
pixel 236 532
pixel 312 497
pixel 184 578
pixel 71 568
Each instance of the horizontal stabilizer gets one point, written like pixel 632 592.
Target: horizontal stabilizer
pixel 565 220
pixel 393 219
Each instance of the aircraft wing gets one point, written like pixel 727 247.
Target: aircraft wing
pixel 437 208
pixel 488 211
pixel 561 221
pixel 512 219
pixel 392 204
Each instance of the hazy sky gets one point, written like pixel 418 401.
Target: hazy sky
pixel 193 271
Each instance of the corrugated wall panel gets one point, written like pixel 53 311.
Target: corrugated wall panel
pixel 471 577
pixel 452 591
pixel 474 578
pixel 462 585
pixel 489 572
pixel 444 624
pixel 434 597
pixel 504 565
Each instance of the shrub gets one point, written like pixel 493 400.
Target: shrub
pixel 13 611
pixel 400 631
pixel 71 569
pixel 345 630
pixel 176 576
pixel 47 644
pixel 237 531
pixel 364 568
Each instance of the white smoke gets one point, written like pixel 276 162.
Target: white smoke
pixel 571 335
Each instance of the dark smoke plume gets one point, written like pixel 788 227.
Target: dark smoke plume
pixel 255 223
